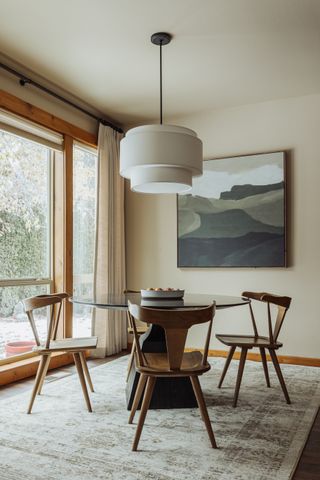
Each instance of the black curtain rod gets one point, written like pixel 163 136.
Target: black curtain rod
pixel 23 80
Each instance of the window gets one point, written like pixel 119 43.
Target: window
pixel 25 236
pixel 84 218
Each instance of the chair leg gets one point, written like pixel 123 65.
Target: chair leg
pixel 243 357
pixel 44 373
pixel 86 370
pixel 144 408
pixel 138 395
pixel 78 365
pixel 37 382
pixel 265 365
pixel 226 365
pixel 279 373
pixel 131 359
pixel 203 408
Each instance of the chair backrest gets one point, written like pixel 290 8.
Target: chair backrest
pixel 54 300
pixel 176 323
pixel 126 291
pixel 283 304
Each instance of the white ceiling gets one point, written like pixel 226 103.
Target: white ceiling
pixel 224 52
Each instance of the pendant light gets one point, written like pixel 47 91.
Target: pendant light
pixel 160 158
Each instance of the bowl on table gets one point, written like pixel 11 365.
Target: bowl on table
pixel 162 302
pixel 162 293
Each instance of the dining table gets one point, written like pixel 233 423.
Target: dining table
pixel 168 392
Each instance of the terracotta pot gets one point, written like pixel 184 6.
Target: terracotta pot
pixel 15 348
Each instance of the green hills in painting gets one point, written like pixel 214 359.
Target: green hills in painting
pixel 244 227
pixel 241 191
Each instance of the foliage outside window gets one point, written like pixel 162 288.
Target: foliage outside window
pixel 25 258
pixel 84 219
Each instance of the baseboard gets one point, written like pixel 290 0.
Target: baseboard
pixel 21 369
pixel 288 359
pixel 27 368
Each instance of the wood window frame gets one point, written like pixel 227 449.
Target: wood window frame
pixel 62 248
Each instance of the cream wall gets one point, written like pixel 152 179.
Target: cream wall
pixel 291 124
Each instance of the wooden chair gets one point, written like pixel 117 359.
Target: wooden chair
pixel 174 363
pixel 141 329
pixel 77 346
pixel 246 342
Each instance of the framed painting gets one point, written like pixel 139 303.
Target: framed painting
pixel 235 215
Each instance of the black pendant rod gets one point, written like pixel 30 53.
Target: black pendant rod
pixel 161 83
pixel 23 80
pixel 160 39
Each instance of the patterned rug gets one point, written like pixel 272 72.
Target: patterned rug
pixel 259 440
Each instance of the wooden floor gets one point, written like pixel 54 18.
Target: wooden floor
pixel 308 467
pixel 52 375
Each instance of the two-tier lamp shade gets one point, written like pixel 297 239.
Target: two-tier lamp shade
pixel 160 158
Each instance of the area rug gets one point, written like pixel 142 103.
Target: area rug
pixel 259 440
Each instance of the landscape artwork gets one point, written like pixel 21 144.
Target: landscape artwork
pixel 235 214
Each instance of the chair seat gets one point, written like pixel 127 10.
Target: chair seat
pixel 158 365
pixel 140 330
pixel 249 341
pixel 69 344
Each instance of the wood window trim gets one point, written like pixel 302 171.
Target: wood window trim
pixel 62 222
pixel 35 114
pixel 27 367
pixel 63 231
pixel 68 235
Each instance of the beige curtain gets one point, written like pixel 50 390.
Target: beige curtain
pixel 109 269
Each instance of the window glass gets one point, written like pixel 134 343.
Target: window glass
pixel 16 335
pixel 84 213
pixel 25 237
pixel 24 208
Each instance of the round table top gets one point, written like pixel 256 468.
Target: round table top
pixel 120 302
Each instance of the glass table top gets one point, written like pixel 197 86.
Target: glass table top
pixel 120 302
